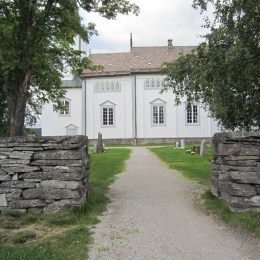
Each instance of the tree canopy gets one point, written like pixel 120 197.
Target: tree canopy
pixel 223 72
pixel 36 39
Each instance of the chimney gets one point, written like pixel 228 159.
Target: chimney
pixel 169 42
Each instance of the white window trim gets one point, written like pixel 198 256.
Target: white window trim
pixel 108 104
pixel 198 114
pixel 158 102
pixel 69 114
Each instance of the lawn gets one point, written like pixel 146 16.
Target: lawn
pixel 192 166
pixel 198 168
pixel 30 236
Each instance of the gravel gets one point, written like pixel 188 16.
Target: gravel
pixel 153 215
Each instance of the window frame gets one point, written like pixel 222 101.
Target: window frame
pixel 64 100
pixel 110 107
pixel 158 103
pixel 192 114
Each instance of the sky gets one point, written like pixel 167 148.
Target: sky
pixel 157 22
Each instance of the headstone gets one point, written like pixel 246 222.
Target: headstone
pixel 177 145
pixel 203 148
pixel 100 148
pixel 95 148
pixel 182 144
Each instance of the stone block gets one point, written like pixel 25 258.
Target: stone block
pixel 13 194
pixel 50 193
pixel 230 168
pixel 15 177
pixel 69 163
pixel 248 163
pixel 21 168
pixel 234 202
pixel 52 175
pixel 258 189
pixel 62 206
pixel 10 162
pixel 61 169
pixel 5 177
pixel 245 177
pixel 3 201
pixel 21 155
pixel 9 190
pixel 17 184
pixel 59 155
pixel 56 184
pixel 25 204
pixel 235 189
pixel 29 148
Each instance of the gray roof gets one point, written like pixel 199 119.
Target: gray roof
pixel 75 83
pixel 139 60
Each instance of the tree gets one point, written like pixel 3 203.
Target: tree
pixel 3 114
pixel 223 72
pixel 36 38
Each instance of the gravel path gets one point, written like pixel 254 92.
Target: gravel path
pixel 153 216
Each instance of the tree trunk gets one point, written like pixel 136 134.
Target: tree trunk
pixel 17 105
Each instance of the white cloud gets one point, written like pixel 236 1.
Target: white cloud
pixel 157 22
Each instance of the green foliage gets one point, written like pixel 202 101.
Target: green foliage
pixel 223 71
pixel 36 48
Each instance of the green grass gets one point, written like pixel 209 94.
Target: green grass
pixel 52 237
pixel 248 220
pixel 198 168
pixel 192 166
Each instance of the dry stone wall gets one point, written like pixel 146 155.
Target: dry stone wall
pixel 236 169
pixel 43 174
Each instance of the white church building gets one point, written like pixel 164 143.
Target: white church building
pixel 124 103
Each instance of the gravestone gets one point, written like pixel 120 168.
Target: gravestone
pixel 177 145
pixel 100 148
pixel 182 144
pixel 203 148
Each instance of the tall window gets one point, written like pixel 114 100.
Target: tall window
pixel 192 114
pixel 158 115
pixel 65 111
pixel 158 112
pixel 108 114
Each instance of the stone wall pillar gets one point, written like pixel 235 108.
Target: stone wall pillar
pixel 43 174
pixel 236 169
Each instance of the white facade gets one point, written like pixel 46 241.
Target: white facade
pixel 123 102
pixel 132 102
pixel 54 123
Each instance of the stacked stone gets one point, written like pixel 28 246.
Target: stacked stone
pixel 236 169
pixel 43 174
